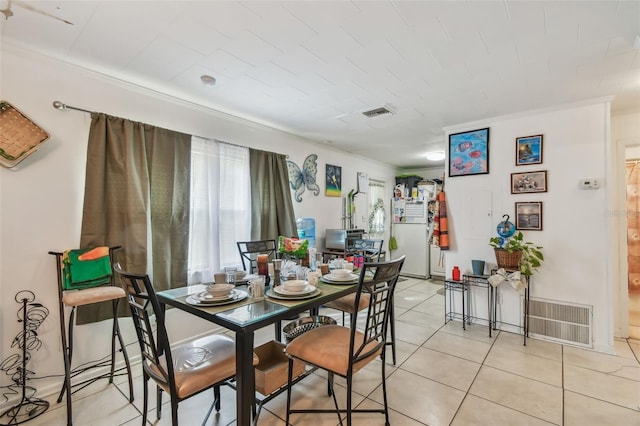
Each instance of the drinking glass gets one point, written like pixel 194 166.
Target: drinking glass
pixel 230 274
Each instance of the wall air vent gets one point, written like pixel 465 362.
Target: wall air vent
pixel 561 322
pixel 380 112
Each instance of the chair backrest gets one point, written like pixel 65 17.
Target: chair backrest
pixel 371 249
pixel 154 342
pixel 378 281
pixel 249 251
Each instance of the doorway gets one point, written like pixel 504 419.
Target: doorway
pixel 632 173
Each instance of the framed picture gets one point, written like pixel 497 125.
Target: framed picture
pixel 529 216
pixel 522 183
pixel 333 183
pixel 529 150
pixel 469 153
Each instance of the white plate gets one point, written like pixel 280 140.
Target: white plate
pixel 206 297
pixel 281 290
pixel 236 296
pixel 297 296
pixel 349 277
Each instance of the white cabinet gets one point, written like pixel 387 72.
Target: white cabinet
pixel 437 264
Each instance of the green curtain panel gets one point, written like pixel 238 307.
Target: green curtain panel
pixel 271 205
pixel 137 196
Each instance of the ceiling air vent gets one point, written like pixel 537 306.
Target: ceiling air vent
pixel 380 112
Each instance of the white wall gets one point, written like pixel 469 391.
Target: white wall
pixel 41 199
pixel 575 236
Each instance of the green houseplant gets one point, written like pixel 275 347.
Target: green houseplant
pixel 517 253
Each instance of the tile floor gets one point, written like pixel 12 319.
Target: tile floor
pixel 444 376
pixel 634 315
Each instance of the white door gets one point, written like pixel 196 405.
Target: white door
pixel 412 242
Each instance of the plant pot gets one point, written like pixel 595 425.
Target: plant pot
pixel 508 260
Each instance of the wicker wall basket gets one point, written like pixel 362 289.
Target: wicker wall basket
pixel 508 260
pixel 19 136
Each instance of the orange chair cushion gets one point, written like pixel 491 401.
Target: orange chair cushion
pixel 328 348
pixel 92 295
pixel 200 363
pixel 345 303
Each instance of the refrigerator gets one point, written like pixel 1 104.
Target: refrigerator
pixel 412 226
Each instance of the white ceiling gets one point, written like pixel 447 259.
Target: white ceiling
pixel 312 67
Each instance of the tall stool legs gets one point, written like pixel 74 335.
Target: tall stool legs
pixel 72 299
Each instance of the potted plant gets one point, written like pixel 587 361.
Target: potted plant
pixel 517 254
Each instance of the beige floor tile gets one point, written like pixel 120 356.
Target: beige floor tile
pixel 451 344
pixel 480 412
pixel 635 347
pixel 604 363
pixel 471 331
pixel 407 299
pixel 534 346
pixel 580 410
pixel 192 411
pixel 622 348
pixel 423 319
pixel 606 387
pixel 421 399
pixel 446 369
pixel 311 393
pixel 375 419
pixel 412 333
pixel 105 408
pixel 524 364
pixel 433 305
pixel 531 397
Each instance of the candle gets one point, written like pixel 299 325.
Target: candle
pixel 263 265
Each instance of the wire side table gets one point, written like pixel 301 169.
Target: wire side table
pixel 463 286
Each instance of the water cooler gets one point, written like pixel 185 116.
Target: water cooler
pixel 307 229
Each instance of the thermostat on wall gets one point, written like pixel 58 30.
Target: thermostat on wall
pixel 589 184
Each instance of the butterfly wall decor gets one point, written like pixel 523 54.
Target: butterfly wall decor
pixel 305 178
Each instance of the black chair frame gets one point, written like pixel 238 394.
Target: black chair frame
pixel 154 345
pixel 66 334
pixel 249 251
pixel 380 288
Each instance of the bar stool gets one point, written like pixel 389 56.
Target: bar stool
pixel 84 278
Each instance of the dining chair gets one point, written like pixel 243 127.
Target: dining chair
pixel 372 250
pixel 345 350
pixel 181 371
pixel 85 278
pixel 249 251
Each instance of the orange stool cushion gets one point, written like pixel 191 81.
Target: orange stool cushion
pixel 328 348
pixel 345 303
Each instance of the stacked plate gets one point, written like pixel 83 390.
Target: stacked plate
pixel 332 278
pixel 282 293
pixel 206 299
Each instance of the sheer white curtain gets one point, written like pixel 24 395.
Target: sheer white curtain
pixel 377 207
pixel 220 207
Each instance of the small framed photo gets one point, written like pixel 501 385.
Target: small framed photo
pixel 529 150
pixel 469 153
pixel 529 216
pixel 333 182
pixel 522 183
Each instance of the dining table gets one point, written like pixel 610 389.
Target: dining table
pixel 244 317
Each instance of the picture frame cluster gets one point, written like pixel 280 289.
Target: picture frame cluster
pixel 528 151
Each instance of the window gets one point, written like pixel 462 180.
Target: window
pixel 377 207
pixel 220 207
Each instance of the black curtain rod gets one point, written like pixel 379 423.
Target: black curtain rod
pixel 61 107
